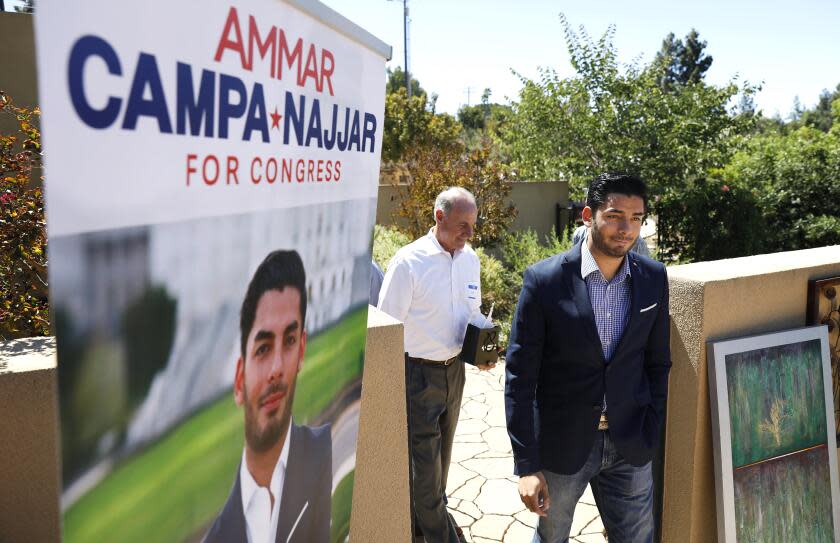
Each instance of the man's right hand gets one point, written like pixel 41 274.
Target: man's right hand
pixel 533 491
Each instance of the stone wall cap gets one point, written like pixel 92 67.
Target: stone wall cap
pixel 750 266
pixel 27 354
pixel 378 319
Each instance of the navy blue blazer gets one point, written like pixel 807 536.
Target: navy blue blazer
pixel 556 374
pixel 305 503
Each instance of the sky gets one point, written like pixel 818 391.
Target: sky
pixel 457 48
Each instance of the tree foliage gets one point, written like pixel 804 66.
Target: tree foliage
pixel 682 63
pixel 24 305
pixel 795 179
pixel 411 122
pixel 396 81
pixel 433 169
pixel 710 220
pixel 609 117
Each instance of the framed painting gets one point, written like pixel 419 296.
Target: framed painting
pixel 775 448
pixel 824 308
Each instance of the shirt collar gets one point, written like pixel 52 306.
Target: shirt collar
pixel 434 245
pixel 249 486
pixel 589 266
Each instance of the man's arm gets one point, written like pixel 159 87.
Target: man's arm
pixel 522 367
pixel 658 354
pixel 395 294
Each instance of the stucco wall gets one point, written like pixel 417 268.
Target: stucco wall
pixel 17 60
pixel 381 507
pixel 17 69
pixel 29 476
pixel 535 201
pixel 712 301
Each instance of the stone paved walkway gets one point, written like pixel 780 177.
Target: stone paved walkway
pixel 482 489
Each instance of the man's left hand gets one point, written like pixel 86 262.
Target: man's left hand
pixel 486 367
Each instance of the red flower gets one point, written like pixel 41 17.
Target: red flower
pixel 7 197
pixel 725 188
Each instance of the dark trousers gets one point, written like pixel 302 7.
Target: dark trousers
pixel 434 402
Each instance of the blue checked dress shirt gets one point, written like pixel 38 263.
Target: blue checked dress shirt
pixel 610 300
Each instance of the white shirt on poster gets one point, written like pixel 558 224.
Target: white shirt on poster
pixel 260 516
pixel 435 294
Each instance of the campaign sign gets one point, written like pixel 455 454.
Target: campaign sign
pixel 211 177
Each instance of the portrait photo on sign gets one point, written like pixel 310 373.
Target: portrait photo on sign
pixel 194 351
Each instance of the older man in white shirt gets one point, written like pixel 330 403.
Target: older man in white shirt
pixel 433 286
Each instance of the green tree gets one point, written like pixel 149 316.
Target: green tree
pixel 396 80
pixel 820 117
pixel 609 117
pixel 409 123
pixel 434 168
pixel 681 62
pixel 148 327
pixel 24 305
pixel 795 180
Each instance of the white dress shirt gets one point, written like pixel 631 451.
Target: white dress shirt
pixel 435 295
pixel 260 516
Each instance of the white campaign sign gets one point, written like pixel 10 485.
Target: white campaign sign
pixel 163 111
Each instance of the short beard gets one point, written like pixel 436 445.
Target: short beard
pixel 600 244
pixel 261 441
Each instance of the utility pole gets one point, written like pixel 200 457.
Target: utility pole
pixel 405 46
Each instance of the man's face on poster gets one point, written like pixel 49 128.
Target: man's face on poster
pixel 265 378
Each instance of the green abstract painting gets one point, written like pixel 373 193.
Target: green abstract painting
pixel 785 500
pixel 776 401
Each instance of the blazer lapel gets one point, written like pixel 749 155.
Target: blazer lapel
pixel 636 286
pixel 577 286
pixel 293 505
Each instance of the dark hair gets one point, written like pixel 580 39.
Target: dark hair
pixel 614 183
pixel 279 270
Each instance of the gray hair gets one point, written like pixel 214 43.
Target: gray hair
pixel 446 199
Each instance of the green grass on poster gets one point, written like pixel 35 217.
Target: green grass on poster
pixel 342 500
pixel 776 401
pixel 174 489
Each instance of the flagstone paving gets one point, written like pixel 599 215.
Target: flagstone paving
pixel 482 489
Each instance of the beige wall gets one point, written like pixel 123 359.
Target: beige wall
pixel 535 202
pixel 29 478
pixel 17 68
pixel 17 58
pixel 713 301
pixel 380 493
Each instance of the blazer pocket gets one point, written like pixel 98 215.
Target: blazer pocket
pixel 648 308
pixel 643 398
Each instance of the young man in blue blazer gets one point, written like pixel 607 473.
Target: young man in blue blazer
pixel 587 372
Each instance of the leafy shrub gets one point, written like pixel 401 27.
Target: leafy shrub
pixel 386 242
pixel 796 179
pixel 24 304
pixel 709 221
pixel 434 169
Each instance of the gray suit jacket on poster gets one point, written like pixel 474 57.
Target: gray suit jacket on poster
pixel 305 503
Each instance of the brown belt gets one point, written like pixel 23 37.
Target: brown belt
pixel 427 362
pixel 602 422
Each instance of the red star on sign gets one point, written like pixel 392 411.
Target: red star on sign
pixel 275 119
